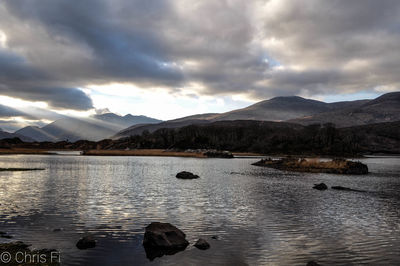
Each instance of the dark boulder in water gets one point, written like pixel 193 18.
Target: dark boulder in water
pixel 163 239
pixel 320 186
pixel 313 263
pixel 86 242
pixel 186 175
pixel 5 235
pixel 202 244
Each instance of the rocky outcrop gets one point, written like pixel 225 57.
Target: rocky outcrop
pixel 320 186
pixel 163 239
pixel 218 154
pixel 336 166
pixel 86 242
pixel 186 175
pixel 202 244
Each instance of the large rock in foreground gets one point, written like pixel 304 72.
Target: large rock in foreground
pixel 186 175
pixel 336 166
pixel 163 239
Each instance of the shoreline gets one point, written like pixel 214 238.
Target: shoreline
pixel 167 153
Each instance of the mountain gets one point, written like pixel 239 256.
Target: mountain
pixel 385 108
pixel 125 121
pixel 36 133
pixel 139 129
pixel 7 135
pixel 277 109
pixel 94 128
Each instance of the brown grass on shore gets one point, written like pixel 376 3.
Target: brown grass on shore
pixel 136 152
pixel 247 154
pixel 316 163
pixel 23 151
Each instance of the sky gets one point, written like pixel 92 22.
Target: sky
pixel 172 58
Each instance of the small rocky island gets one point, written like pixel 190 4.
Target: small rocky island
pixel 20 169
pixel 335 166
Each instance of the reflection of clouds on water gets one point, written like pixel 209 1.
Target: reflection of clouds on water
pixel 261 215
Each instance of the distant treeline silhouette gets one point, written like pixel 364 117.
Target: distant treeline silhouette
pixel 273 138
pixel 255 136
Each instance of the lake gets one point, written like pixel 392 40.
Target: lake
pixel 261 216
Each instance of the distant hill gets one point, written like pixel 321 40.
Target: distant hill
pixel 7 135
pixel 385 108
pixel 93 128
pixel 139 129
pixel 277 109
pixel 115 120
pixel 36 134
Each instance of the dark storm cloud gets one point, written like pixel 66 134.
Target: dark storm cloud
pixel 121 43
pixel 18 79
pixel 260 48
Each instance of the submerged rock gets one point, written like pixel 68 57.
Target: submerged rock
pixel 186 175
pixel 163 239
pixel 313 263
pixel 346 189
pixel 5 235
pixel 336 166
pixel 320 186
pixel 202 244
pixel 86 242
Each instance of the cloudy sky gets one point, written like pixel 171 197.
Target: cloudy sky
pixel 169 59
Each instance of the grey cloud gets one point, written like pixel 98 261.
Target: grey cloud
pixel 6 111
pixel 323 47
pixel 13 125
pixel 29 113
pixel 19 79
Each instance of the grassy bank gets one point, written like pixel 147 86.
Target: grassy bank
pixel 23 151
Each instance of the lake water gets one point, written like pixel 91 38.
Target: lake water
pixel 262 216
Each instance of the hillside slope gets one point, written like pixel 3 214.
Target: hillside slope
pixel 385 108
pixel 276 109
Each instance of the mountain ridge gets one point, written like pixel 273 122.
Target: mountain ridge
pixel 294 109
pixel 93 128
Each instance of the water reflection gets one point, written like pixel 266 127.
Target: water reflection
pixel 262 216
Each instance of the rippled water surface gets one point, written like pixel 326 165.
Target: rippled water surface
pixel 262 216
